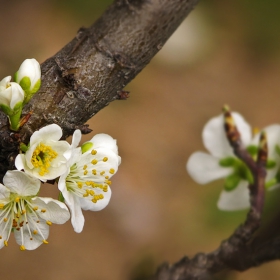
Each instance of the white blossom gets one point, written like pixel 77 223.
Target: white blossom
pixel 222 163
pixel 46 156
pixel 27 215
pixel 86 183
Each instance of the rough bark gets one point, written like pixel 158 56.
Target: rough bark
pixel 92 69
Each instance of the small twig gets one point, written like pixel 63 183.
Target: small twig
pixel 235 253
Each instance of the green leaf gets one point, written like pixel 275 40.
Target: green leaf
pixel 86 147
pixel 25 83
pixel 6 109
pixel 227 162
pixel 23 147
pixel 231 182
pixel 277 149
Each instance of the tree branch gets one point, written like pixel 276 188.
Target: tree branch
pixel 237 252
pixel 92 69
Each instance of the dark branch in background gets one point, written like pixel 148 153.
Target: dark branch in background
pixel 238 252
pixel 92 70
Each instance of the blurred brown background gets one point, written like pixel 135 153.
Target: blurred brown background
pixel 225 52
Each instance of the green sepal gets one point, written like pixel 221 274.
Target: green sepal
pixel 252 150
pixel 86 147
pixel 16 77
pixel 227 162
pixel 270 164
pixel 61 197
pixel 231 182
pixel 36 87
pixel 25 83
pixel 23 147
pixel 6 109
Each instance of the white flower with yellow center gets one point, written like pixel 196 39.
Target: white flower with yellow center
pixel 45 157
pixel 85 185
pixel 25 214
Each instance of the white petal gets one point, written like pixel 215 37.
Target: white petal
pixel 21 183
pixel 237 199
pixel 76 138
pixel 17 94
pixel 56 211
pixel 214 137
pixel 49 132
pixel 5 228
pixel 204 168
pixel 4 192
pixel 19 162
pixel 99 205
pixel 77 217
pixel 104 141
pixel 27 238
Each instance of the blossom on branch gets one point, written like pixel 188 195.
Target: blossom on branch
pixel 222 163
pixel 86 183
pixel 27 215
pixel 45 158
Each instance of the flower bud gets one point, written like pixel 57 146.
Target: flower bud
pixel 11 94
pixel 29 77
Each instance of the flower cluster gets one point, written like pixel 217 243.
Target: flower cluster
pixel 82 173
pixel 14 95
pixel 222 163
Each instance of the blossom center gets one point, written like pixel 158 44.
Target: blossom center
pixel 42 158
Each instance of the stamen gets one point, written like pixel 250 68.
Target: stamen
pixel 6 243
pixel 49 223
pixel 93 152
pixel 94 161
pixel 45 241
pixel 21 247
pixel 112 171
pixel 105 159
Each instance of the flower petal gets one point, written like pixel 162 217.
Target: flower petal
pixel 99 205
pixel 237 199
pixel 25 236
pixel 49 132
pixel 204 168
pixel 104 141
pixel 214 137
pixel 56 211
pixel 21 183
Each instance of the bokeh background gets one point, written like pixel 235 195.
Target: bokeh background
pixel 224 52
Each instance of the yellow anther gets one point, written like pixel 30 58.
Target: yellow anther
pixel 23 211
pixel 101 196
pixel 35 231
pixel 94 161
pixel 21 247
pixel 45 242
pixel 94 200
pixel 112 171
pixel 85 167
pixel 107 177
pixel 5 219
pixel 0 237
pixel 108 182
pixel 102 173
pixel 92 193
pixel 2 205
pixel 43 210
pixel 93 172
pixel 93 152
pixel 49 223
pixel 35 208
pixel 42 157
pixel 6 243
pixel 80 185
pixel 85 194
pixel 17 199
pixel 85 172
pixel 105 159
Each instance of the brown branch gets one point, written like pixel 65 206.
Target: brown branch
pixel 92 70
pixel 238 252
